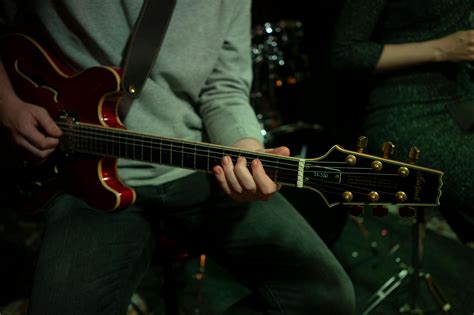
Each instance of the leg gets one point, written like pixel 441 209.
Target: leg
pixel 279 256
pixel 90 262
pixel 265 251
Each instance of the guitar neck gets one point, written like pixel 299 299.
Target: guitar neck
pixel 121 143
pixel 340 176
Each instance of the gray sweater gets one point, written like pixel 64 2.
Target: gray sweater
pixel 199 87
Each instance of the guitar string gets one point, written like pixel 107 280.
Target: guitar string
pixel 183 143
pixel 96 130
pixel 184 150
pixel 336 188
pixel 321 183
pixel 117 135
pixel 125 134
pixel 171 160
pixel 193 150
pixel 218 155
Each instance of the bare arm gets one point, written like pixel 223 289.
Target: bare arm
pixel 455 47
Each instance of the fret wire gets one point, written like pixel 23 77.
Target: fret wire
pixel 339 187
pixel 195 154
pixel 171 154
pixel 214 156
pixel 322 183
pixel 184 144
pixel 266 165
pixel 276 172
pixel 333 172
pixel 318 183
pixel 161 151
pixel 120 134
pixel 90 143
pixel 353 173
pixel 141 147
pixel 133 148
pixel 182 156
pixel 151 155
pixel 277 162
pixel 126 141
pixel 208 152
pixel 291 174
pixel 268 168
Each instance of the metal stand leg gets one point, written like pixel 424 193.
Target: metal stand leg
pixel 387 288
pixel 414 273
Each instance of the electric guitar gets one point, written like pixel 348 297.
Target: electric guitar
pixel 85 106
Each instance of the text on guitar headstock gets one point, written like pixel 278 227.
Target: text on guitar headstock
pixel 354 178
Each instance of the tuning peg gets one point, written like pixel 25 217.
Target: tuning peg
pixel 388 148
pixel 413 155
pixel 356 211
pixel 373 196
pixel 380 211
pixel 361 143
pixel 406 212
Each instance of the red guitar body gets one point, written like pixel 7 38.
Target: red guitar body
pixel 92 96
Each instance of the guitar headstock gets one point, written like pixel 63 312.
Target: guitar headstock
pixel 354 178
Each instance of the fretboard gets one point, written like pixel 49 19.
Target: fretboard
pixel 121 143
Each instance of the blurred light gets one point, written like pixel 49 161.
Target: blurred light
pixel 291 80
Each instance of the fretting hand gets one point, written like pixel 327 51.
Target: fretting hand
pixel 245 185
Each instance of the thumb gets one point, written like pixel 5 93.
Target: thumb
pixel 285 151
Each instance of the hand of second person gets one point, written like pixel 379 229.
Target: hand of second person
pixel 243 184
pixel 456 47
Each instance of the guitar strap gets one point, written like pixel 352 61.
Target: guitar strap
pixel 143 47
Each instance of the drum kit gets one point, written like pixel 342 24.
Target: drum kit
pixel 280 67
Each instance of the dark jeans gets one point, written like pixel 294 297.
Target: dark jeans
pixel 92 262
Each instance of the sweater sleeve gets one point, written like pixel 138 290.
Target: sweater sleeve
pixel 353 47
pixel 224 99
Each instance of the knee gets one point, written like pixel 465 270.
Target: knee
pixel 343 297
pixel 334 297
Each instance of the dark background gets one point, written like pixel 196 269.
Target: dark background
pixel 336 101
pixel 371 249
pixel 334 104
